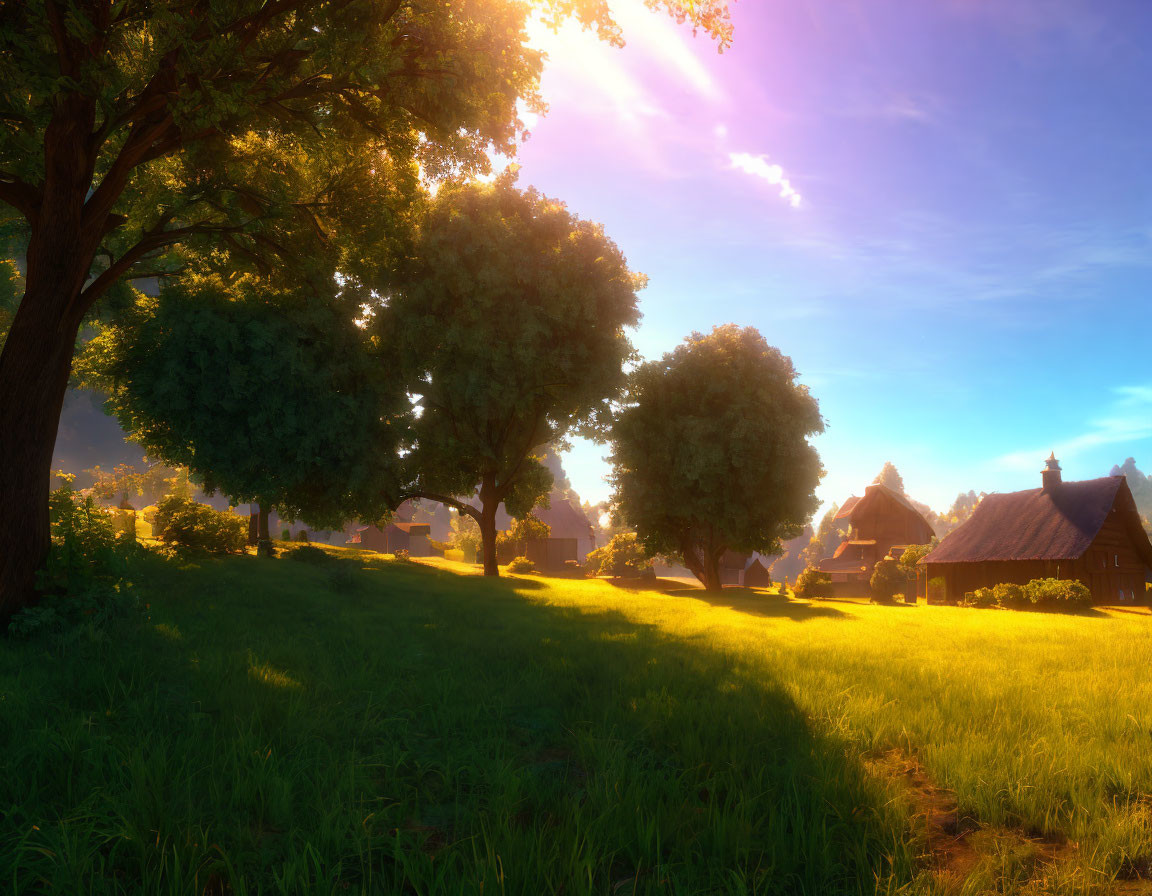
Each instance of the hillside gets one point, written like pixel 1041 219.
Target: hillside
pixel 371 726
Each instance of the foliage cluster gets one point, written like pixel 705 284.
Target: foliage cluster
pixel 711 452
pixel 85 579
pixel 522 530
pixel 1064 595
pixel 192 526
pixel 888 579
pixel 623 556
pixel 812 583
pixel 521 564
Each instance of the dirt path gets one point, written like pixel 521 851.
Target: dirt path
pixel 956 847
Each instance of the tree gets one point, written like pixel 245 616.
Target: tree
pixel 911 557
pixel 276 404
pixel 825 541
pixel 523 530
pixel 812 583
pixel 888 578
pixel 509 323
pixel 890 477
pixel 711 451
pixel 131 127
pixel 962 508
pixel 622 556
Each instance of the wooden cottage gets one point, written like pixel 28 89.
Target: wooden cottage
pixel 399 535
pixel 1090 531
pixel 880 524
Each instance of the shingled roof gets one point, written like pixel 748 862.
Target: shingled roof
pixel 855 504
pixel 1038 524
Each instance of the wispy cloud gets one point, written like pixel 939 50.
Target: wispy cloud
pixel 759 166
pixel 1128 419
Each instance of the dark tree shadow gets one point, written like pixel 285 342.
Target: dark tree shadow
pixel 756 603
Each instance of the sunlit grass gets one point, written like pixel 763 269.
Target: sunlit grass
pixel 370 726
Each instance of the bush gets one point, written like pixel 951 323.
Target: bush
pixel 623 556
pixel 302 535
pixel 1045 594
pixel 812 583
pixel 1057 594
pixel 1009 596
pixel 981 597
pixel 286 535
pixel 85 579
pixel 888 580
pixel 306 553
pixel 523 530
pixel 521 564
pixel 782 588
pixel 187 524
pixel 402 555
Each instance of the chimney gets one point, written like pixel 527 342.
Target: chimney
pixel 1051 473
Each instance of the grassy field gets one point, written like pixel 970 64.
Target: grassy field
pixel 379 727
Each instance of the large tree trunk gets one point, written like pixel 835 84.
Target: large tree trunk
pixel 488 504
pixel 253 525
pixel 34 370
pixel 264 546
pixel 704 563
pixel 37 356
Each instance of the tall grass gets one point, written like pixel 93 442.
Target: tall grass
pixel 389 728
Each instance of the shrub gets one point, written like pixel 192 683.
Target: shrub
pixel 402 555
pixel 1057 594
pixel 888 579
pixel 1009 595
pixel 187 524
pixel 623 556
pixel 302 535
pixel 123 522
pixel 981 597
pixel 307 553
pixel 936 588
pixel 522 530
pixel 521 564
pixel 85 579
pixel 812 583
pixel 782 588
pixel 286 535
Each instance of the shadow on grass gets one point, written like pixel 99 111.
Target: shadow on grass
pixel 1132 611
pixel 761 604
pixel 425 732
pixel 638 584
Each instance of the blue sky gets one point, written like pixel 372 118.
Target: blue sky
pixel 941 211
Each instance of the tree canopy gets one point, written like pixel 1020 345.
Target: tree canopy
pixel 509 322
pixel 132 126
pixel 279 404
pixel 890 477
pixel 712 453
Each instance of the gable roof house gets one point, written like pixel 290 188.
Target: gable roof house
pixel 1088 530
pixel 401 534
pixel 880 523
pixel 570 536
